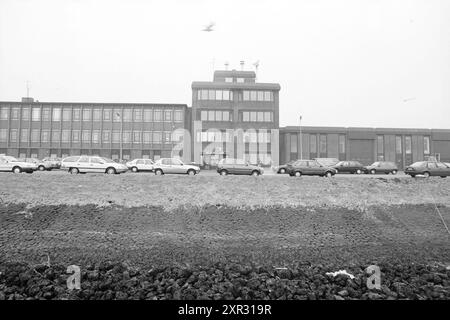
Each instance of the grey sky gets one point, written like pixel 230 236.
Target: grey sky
pixel 340 63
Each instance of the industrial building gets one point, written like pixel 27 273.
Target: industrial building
pixel 231 116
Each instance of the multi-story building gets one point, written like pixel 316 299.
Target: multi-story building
pixel 39 129
pixel 402 146
pixel 235 116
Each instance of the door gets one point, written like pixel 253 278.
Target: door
pixel 140 164
pixel 178 166
pixel 5 165
pixel 83 164
pixel 313 168
pixel 442 170
pixel 148 165
pixel 240 167
pixel 166 165
pixel 432 168
pixel 97 165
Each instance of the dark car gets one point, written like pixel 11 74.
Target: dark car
pixel 428 168
pixel 283 168
pixel 309 168
pixel 385 167
pixel 349 167
pixel 238 166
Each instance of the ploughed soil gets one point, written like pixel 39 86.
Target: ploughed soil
pixel 221 252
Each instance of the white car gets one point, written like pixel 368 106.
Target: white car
pixel 84 164
pixel 11 164
pixel 137 165
pixel 173 165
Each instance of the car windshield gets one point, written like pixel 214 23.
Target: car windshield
pixel 108 160
pixel 418 164
pixel 375 164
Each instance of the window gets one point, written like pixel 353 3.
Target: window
pixel 211 94
pixel 13 135
pixel 115 136
pixel 260 116
pixel 252 116
pixel 204 115
pixel 168 115
pixel 408 145
pixel 136 137
pixel 426 145
pixel 127 115
pixel 107 114
pixel 126 136
pixel 218 115
pixel 226 116
pixel 380 145
pixel 35 134
pixel 56 114
pixel 26 114
pixel 246 116
pixel 167 135
pixel 267 96
pixel 204 94
pixel 24 135
pixel 341 143
pixel 398 145
pixel 267 116
pixel 323 143
pixel 76 114
pixel 218 94
pixel 86 136
pixel 3 135
pixel 86 114
pixel 95 136
pixel 211 114
pixel 15 113
pixel 293 143
pixel 157 137
pixel 117 115
pixel 65 137
pixel 76 136
pixel 148 115
pixel 253 95
pixel 240 80
pixel 226 95
pixel 4 113
pixel 56 135
pixel 158 115
pixel 178 116
pixel 83 159
pixel 177 136
pixel 228 79
pixel 313 143
pixel 35 114
pixel 147 137
pixel 260 95
pixel 137 115
pixel 96 160
pixel 97 114
pixel 246 95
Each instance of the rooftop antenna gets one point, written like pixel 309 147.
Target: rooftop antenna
pixel 226 65
pixel 28 88
pixel 242 65
pixel 256 65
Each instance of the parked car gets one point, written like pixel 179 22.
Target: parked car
pixel 49 163
pixel 428 168
pixel 349 167
pixel 237 166
pixel 8 163
pixel 309 168
pixel 137 165
pixel 385 167
pixel 327 162
pixel 41 165
pixel 283 168
pixel 174 165
pixel 84 164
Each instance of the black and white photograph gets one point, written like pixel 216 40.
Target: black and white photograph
pixel 224 155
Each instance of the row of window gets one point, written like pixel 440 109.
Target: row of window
pixel 262 136
pixel 87 114
pixel 398 145
pixel 94 136
pixel 227 95
pixel 215 115
pixel 257 116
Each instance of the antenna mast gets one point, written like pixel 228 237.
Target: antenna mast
pixel 256 64
pixel 28 88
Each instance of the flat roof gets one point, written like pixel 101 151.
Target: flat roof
pixel 233 85
pixel 97 103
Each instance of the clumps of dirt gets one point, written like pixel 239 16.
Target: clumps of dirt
pixel 120 281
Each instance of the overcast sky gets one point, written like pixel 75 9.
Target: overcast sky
pixel 339 63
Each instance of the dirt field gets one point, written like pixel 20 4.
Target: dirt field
pixel 176 221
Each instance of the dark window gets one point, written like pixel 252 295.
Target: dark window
pixel 313 143
pixel 380 145
pixel 398 145
pixel 323 143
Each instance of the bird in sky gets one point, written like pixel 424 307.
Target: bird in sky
pixel 209 27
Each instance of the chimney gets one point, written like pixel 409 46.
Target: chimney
pixel 242 65
pixel 226 66
pixel 27 99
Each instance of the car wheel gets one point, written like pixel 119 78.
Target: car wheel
pixel 74 171
pixel 255 173
pixel 328 174
pixel 358 171
pixel 413 175
pixel 426 174
pixel 191 172
pixel 298 174
pixel 223 172
pixel 283 171
pixel 41 168
pixel 111 171
pixel 372 171
pixel 134 169
pixel 159 172
pixel 394 172
pixel 17 170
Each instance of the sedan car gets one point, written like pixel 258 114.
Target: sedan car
pixel 428 168
pixel 174 165
pixel 49 163
pixel 238 166
pixel 385 167
pixel 310 168
pixel 85 164
pixel 11 164
pixel 349 167
pixel 283 168
pixel 137 165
